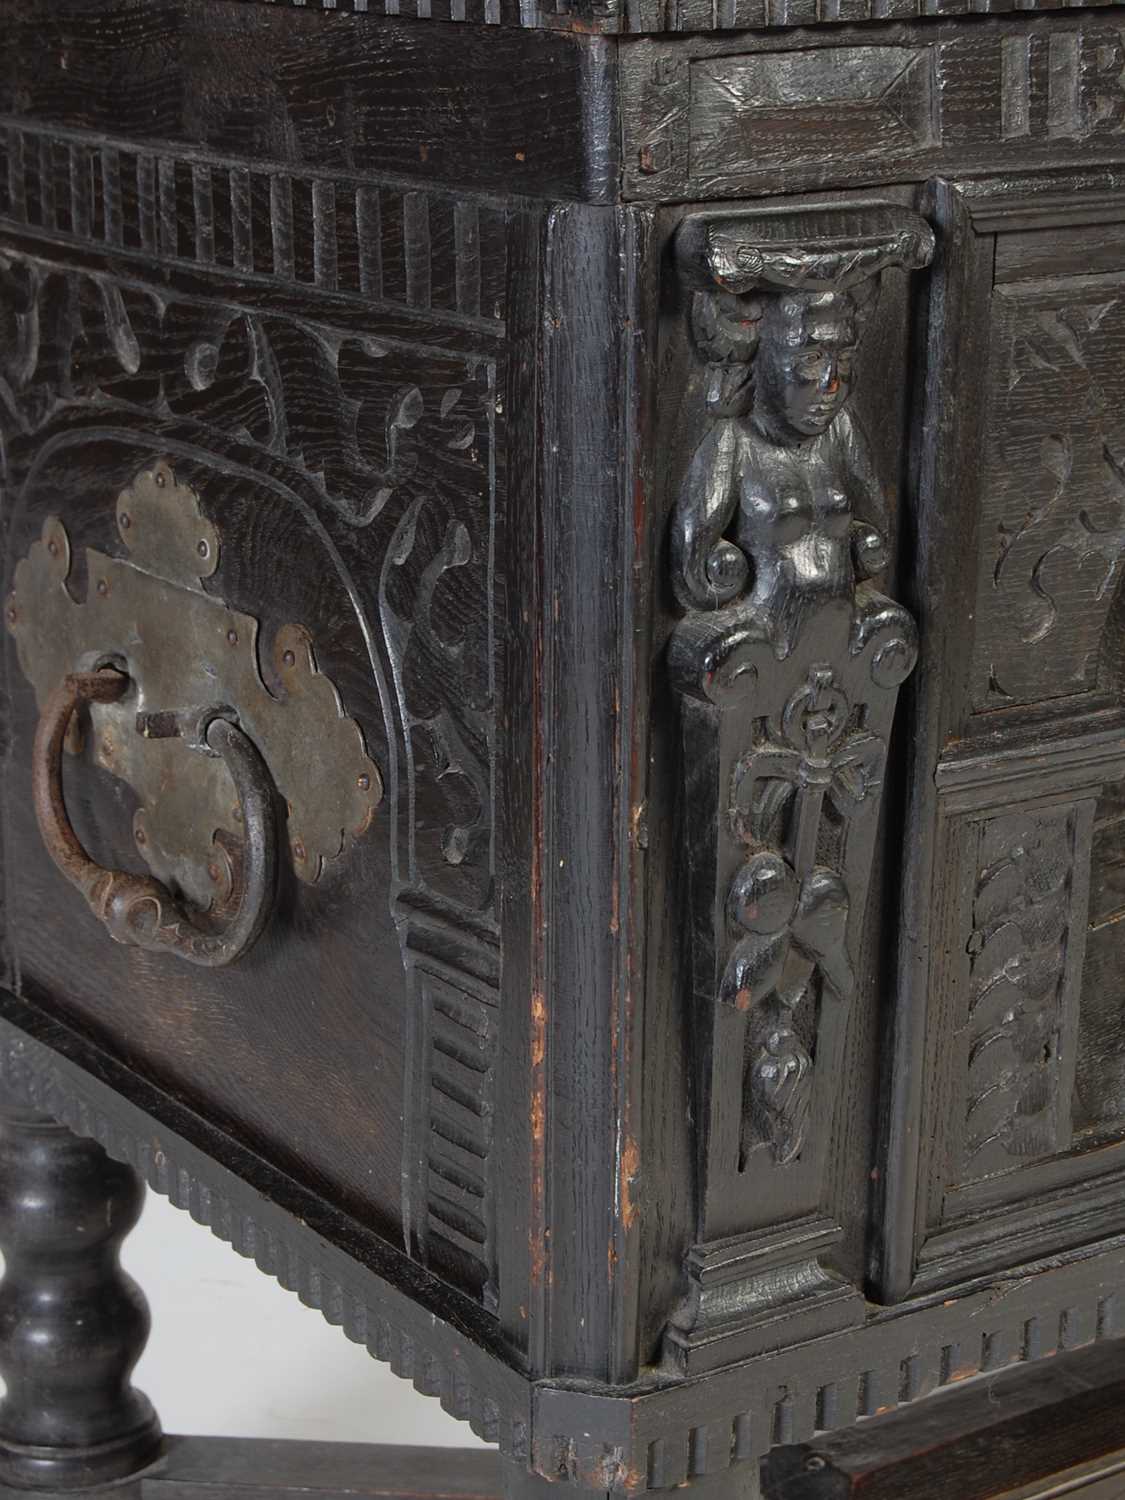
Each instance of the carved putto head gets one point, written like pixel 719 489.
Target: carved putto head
pixel 780 303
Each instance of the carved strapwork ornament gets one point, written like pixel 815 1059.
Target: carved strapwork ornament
pixel 787 662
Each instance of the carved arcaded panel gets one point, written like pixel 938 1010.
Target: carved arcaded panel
pixel 376 453
pixel 1053 489
pixel 425 250
pixel 393 440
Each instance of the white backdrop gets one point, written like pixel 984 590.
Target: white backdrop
pixel 231 1354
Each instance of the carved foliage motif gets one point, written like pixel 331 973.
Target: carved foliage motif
pixel 1019 958
pixel 788 660
pixel 1053 521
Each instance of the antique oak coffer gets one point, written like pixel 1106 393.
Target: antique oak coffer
pixel 564 728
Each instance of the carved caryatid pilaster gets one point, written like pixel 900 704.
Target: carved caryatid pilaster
pixel 787 662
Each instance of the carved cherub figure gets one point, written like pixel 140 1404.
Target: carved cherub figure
pixel 783 479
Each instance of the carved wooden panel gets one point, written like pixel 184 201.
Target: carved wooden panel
pixel 708 118
pixel 1053 518
pixel 1099 1103
pixel 323 359
pixel 1006 1055
pixel 1024 957
pixel 456 1104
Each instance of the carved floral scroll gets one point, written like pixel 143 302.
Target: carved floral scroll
pixel 787 661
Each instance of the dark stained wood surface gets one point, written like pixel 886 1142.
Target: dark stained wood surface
pixel 1007 1432
pixel 210 1468
pixel 435 104
pixel 660 1078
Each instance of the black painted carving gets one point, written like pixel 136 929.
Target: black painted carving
pixel 72 1324
pixel 1019 962
pixel 787 661
pixel 547 1143
pixel 706 118
pixel 991 1156
pixel 357 239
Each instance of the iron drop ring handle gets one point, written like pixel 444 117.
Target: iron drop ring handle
pixel 138 909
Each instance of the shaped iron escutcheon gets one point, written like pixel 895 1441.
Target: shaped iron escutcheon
pixel 179 710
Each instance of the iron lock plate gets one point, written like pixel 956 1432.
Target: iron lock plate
pixel 190 657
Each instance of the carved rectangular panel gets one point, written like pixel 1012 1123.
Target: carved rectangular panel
pixel 751 113
pixel 775 109
pixel 1053 487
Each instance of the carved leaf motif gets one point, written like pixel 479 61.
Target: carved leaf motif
pixel 432 607
pixel 1018 963
pixel 1051 495
pixel 779 1088
pixel 1056 339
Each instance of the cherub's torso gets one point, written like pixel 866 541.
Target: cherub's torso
pixel 796 506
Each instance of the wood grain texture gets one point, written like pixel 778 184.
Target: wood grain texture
pixel 757 112
pixel 403 303
pixel 326 91
pixel 632 17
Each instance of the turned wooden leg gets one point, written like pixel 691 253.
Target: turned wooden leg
pixel 72 1323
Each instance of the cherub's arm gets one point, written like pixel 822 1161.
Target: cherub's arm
pixel 869 501
pixel 708 571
